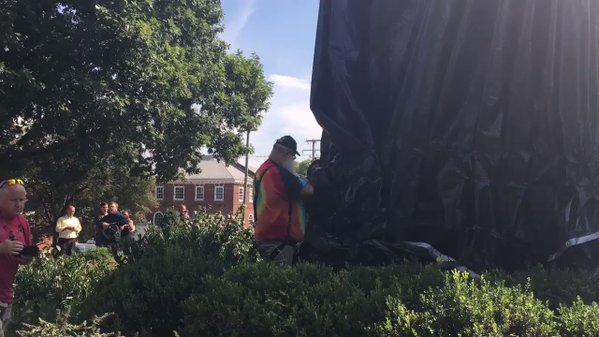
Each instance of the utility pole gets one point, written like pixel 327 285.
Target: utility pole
pixel 245 176
pixel 314 149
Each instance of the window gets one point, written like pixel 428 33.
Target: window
pixel 219 193
pixel 241 190
pixel 179 192
pixel 250 194
pixel 199 193
pixel 157 219
pixel 160 192
pixel 251 217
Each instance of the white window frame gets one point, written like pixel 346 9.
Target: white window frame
pixel 200 187
pixel 155 216
pixel 241 193
pixel 216 188
pixel 250 194
pixel 175 193
pixel 160 188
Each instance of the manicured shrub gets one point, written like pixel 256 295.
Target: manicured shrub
pixel 465 307
pixel 579 319
pixel 267 300
pixel 46 286
pixel 556 285
pixel 204 278
pixel 406 300
pixel 63 328
pixel 164 268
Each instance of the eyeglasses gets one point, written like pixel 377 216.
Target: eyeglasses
pixel 12 182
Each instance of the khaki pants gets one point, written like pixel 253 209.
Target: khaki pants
pixel 277 251
pixel 5 313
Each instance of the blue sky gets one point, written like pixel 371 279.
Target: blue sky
pixel 282 33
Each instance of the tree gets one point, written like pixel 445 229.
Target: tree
pixel 139 88
pixel 302 167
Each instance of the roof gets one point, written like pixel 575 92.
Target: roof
pixel 213 171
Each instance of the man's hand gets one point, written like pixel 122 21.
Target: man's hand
pixel 11 247
pixel 105 225
pixel 307 191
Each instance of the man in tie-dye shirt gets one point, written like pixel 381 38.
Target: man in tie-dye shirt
pixel 280 215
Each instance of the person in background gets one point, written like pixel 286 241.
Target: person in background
pixel 98 237
pixel 279 211
pixel 15 234
pixel 184 213
pixel 68 228
pixel 114 222
pixel 129 228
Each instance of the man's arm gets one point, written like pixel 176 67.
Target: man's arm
pixel 307 189
pixel 78 227
pixel 60 226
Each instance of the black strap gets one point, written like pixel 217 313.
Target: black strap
pixel 275 252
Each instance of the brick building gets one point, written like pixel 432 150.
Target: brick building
pixel 217 188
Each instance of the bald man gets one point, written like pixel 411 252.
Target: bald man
pixel 15 234
pixel 68 228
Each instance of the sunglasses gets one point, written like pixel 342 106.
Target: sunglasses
pixel 12 182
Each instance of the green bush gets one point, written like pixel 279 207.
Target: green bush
pixel 308 300
pixel 464 307
pixel 63 328
pixel 204 278
pixel 579 320
pixel 556 285
pixel 46 286
pixel 407 300
pixel 164 268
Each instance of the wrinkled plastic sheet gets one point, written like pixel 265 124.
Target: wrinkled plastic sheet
pixel 470 125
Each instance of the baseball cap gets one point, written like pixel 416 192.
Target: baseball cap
pixel 288 142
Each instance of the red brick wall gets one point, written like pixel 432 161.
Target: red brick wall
pixel 229 206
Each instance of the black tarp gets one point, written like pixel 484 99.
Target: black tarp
pixel 467 124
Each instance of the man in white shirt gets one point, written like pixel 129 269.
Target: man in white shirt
pixel 68 228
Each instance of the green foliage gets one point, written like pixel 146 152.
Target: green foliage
pixel 134 194
pixel 267 300
pixel 407 300
pixel 557 285
pixel 46 286
pixel 302 167
pixel 63 328
pixel 97 89
pixel 579 320
pixel 165 267
pixel 204 278
pixel 464 307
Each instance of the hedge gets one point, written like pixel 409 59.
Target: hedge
pixel 205 279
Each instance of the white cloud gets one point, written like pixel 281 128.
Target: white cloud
pixel 289 82
pixel 289 114
pixel 238 21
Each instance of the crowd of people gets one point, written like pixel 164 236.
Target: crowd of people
pixel 110 226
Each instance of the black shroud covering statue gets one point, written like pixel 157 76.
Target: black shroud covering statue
pixel 467 124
